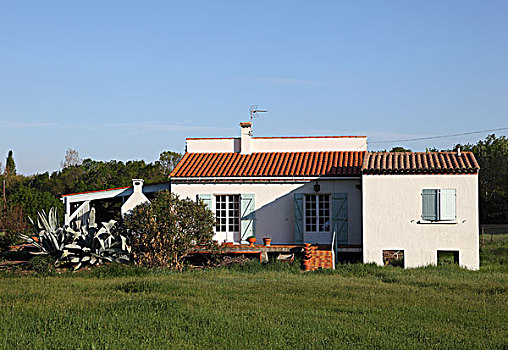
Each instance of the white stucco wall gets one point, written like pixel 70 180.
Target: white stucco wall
pixel 278 144
pixel 274 204
pixel 392 209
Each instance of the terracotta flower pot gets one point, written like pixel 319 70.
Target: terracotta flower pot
pixel 251 241
pixel 267 241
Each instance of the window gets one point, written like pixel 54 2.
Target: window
pixel 447 257
pixel 227 213
pixel 393 258
pixel 438 205
pixel 317 213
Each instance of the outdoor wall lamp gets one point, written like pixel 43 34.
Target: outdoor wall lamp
pixel 317 187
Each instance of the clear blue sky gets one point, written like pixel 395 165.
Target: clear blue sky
pixel 127 79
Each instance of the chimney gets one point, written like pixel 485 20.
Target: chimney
pixel 138 185
pixel 246 135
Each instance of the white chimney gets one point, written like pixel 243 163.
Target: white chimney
pixel 246 135
pixel 136 198
pixel 138 185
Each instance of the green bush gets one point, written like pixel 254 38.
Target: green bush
pixel 42 264
pixel 164 232
pixel 6 240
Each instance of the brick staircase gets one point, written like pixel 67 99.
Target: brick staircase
pixel 320 257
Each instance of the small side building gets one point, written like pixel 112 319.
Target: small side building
pixel 417 206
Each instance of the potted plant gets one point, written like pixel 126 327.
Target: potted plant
pixel 251 241
pixel 267 241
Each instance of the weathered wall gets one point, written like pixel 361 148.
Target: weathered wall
pixel 392 209
pixel 274 204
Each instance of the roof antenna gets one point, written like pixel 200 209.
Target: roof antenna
pixel 253 110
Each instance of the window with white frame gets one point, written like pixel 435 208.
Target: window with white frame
pixel 439 205
pixel 317 213
pixel 227 213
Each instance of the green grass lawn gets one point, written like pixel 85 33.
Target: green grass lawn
pixel 355 306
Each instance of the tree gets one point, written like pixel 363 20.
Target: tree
pixel 71 159
pixel 164 232
pixel 34 200
pixel 400 149
pixel 10 164
pixel 12 222
pixel 492 155
pixel 168 161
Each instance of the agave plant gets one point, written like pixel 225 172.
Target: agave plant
pixel 51 238
pixel 89 245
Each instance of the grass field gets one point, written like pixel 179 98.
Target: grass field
pixel 355 306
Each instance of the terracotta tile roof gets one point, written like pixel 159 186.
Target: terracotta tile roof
pixel 269 164
pixel 419 163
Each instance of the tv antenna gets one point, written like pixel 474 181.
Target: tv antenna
pixel 253 113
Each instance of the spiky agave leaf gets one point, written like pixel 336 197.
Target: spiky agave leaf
pixel 88 245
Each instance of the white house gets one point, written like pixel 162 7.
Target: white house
pixel 329 191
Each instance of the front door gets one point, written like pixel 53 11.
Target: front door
pixel 317 218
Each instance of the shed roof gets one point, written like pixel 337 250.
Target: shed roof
pixel 420 163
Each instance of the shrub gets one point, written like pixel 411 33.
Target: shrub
pixel 12 222
pixel 42 264
pixel 164 232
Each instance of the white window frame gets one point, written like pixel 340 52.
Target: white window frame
pixel 317 213
pixel 438 208
pixel 229 233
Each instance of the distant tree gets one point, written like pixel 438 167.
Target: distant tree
pixel 71 159
pixel 33 200
pixel 492 155
pixel 168 161
pixel 165 231
pixel 400 149
pixel 10 164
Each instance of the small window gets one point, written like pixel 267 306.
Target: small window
pixel 439 204
pixel 447 257
pixel 317 213
pixel 393 258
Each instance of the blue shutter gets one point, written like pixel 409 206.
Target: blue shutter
pixel 298 218
pixel 247 215
pixel 447 205
pixel 340 217
pixel 206 198
pixel 429 205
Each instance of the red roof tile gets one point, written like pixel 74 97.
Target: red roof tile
pixel 269 164
pixel 420 163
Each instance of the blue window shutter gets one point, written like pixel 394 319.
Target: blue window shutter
pixel 429 205
pixel 247 215
pixel 207 199
pixel 447 204
pixel 298 218
pixel 340 217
